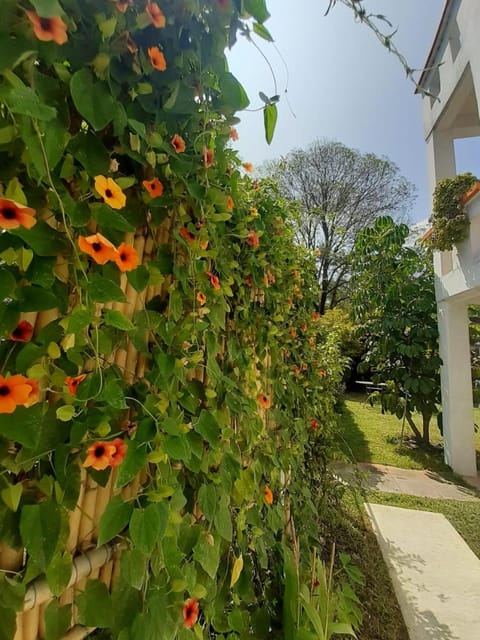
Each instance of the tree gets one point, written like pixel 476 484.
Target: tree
pixel 394 302
pixel 341 191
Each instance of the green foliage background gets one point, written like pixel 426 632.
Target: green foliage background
pixel 208 448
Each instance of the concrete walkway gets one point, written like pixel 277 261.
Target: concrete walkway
pixel 435 574
pixel 424 484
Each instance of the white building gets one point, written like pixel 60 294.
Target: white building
pixel 453 74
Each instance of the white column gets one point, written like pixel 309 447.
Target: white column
pixel 441 157
pixel 457 400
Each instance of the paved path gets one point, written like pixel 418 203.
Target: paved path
pixel 435 575
pixel 426 484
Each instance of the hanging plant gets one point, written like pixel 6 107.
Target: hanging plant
pixel 449 218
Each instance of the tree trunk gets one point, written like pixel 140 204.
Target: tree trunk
pixel 413 427
pixel 426 417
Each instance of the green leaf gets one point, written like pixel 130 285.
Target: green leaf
pixel 133 462
pixel 26 102
pixel 90 151
pixel 59 572
pixel 12 495
pixel 208 427
pixel 95 605
pixel 114 394
pixel 341 628
pixel 103 290
pixel 164 260
pixel 232 95
pixel 57 620
pixel 48 8
pixel 270 114
pixel 223 520
pixel 207 554
pixel 7 134
pixel 147 526
pixel 40 526
pixel 23 425
pixel 90 387
pixel 262 31
pixel 114 520
pixel 35 298
pixel 133 567
pixel 44 240
pixel 9 623
pixel 65 413
pixel 118 320
pixel 257 9
pixel 177 447
pixel 207 500
pixel 138 278
pixel 92 99
pixel 7 284
pixel 109 219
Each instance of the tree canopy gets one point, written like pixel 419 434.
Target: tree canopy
pixel 341 191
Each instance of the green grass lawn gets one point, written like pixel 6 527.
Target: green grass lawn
pixel 353 534
pixel 369 436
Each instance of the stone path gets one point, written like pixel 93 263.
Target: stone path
pixel 424 484
pixel 435 574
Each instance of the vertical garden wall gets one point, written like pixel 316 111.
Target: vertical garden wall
pixel 165 386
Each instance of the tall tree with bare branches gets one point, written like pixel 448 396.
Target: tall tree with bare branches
pixel 341 191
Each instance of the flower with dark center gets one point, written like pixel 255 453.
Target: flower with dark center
pixel 127 258
pixel 97 246
pixel 48 29
pixel 14 215
pixel 14 391
pixel 190 613
pixel 110 192
pixel 23 332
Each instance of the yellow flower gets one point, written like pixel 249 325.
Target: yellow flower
pixel 110 192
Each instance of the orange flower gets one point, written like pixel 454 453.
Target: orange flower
pixel 322 373
pixel 157 59
pixel 264 401
pixel 155 14
pixel 127 258
pixel 233 134
pixel 13 391
pixel 34 395
pixel 252 239
pixel 190 613
pixel 249 281
pixel 207 155
pixel 203 244
pixel 72 382
pixel 110 192
pixel 178 143
pixel 316 316
pixel 100 455
pixel 48 29
pixel 23 332
pixel 14 215
pixel 268 495
pixel 186 234
pixel 303 327
pixel 230 203
pixel 154 187
pixel 293 333
pixel 97 246
pixel 120 452
pixel 214 280
pixel 122 5
pixel 314 424
pixel 201 298
pixel 248 166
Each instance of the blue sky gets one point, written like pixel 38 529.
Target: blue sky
pixel 342 85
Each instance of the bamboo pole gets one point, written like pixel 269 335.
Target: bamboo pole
pixel 11 560
pixel 31 619
pixel 19 630
pixel 87 524
pixel 82 567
